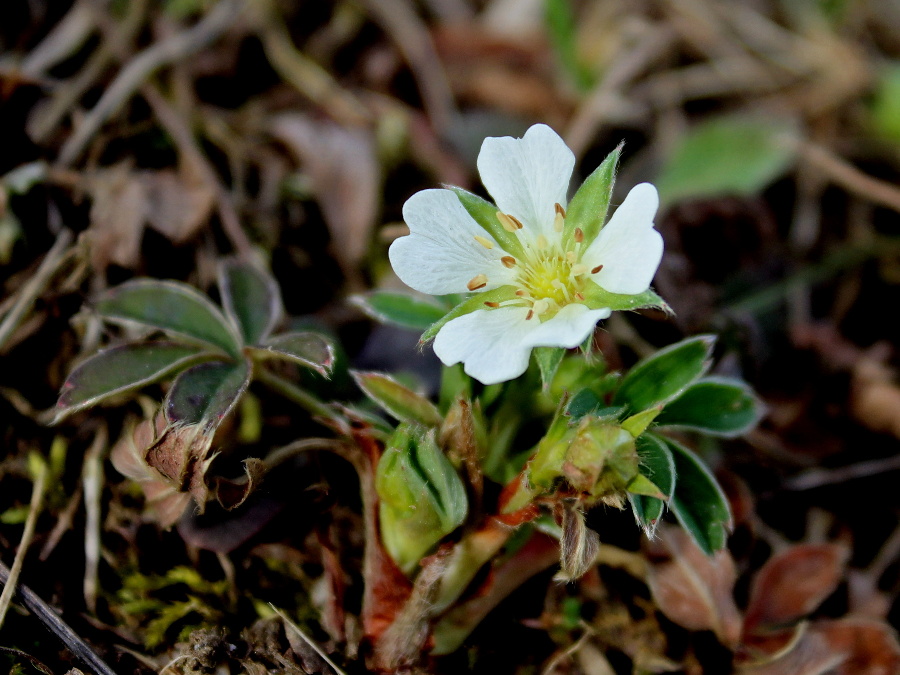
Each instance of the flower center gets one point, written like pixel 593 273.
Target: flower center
pixel 548 278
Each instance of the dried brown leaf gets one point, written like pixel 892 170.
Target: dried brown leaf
pixel 164 500
pixel 871 646
pixel 119 208
pixel 792 584
pixel 693 589
pixel 345 176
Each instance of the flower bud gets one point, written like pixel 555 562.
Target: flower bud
pixel 422 498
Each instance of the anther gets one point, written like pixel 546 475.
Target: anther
pixel 541 306
pixel 520 293
pixel 596 269
pixel 559 219
pixel 579 269
pixel 509 223
pixel 541 242
pixel 560 211
pixel 508 261
pixel 579 297
pixel 571 257
pixel 579 235
pixel 529 315
pixel 487 243
pixel 478 281
pixel 492 305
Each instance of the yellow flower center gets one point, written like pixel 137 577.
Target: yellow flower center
pixel 548 278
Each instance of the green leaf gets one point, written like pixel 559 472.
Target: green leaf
pixel 307 348
pixel 251 298
pixel 395 399
pixel 561 27
pixel 548 360
pixel 698 502
pixel 485 214
pixel 406 310
pixel 471 304
pixel 120 369
pixel 587 210
pixel 173 307
pixel 727 156
pixel 597 298
pixel 657 464
pixel 664 375
pixel 884 111
pixel 716 406
pixel 205 394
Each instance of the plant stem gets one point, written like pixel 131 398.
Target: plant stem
pixel 294 393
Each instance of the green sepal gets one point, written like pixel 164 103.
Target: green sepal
pixel 597 298
pixel 485 214
pixel 641 485
pixel 548 360
pixel 637 424
pixel 587 210
pixel 467 306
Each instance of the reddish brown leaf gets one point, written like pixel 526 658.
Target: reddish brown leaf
pixel 792 584
pixel 871 646
pixel 842 647
pixel 693 589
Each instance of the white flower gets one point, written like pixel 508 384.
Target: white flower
pixel 549 284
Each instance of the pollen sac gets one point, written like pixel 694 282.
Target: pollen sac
pixel 476 282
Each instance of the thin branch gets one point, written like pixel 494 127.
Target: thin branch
pixel 848 176
pixel 132 76
pixel 36 285
pixel 34 509
pixel 57 626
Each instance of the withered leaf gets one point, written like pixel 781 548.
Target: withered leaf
pixel 792 584
pixel 694 589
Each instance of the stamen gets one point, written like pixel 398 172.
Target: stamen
pixel 571 257
pixel 487 243
pixel 596 269
pixel 559 221
pixel 579 297
pixel 541 306
pixel 560 211
pixel 521 293
pixel 579 269
pixel 541 242
pixel 492 305
pixel 529 315
pixel 579 235
pixel 476 282
pixel 508 261
pixel 509 223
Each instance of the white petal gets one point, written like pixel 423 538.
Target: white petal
pixel 495 345
pixel 569 328
pixel 441 254
pixel 489 343
pixel 527 176
pixel 628 247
